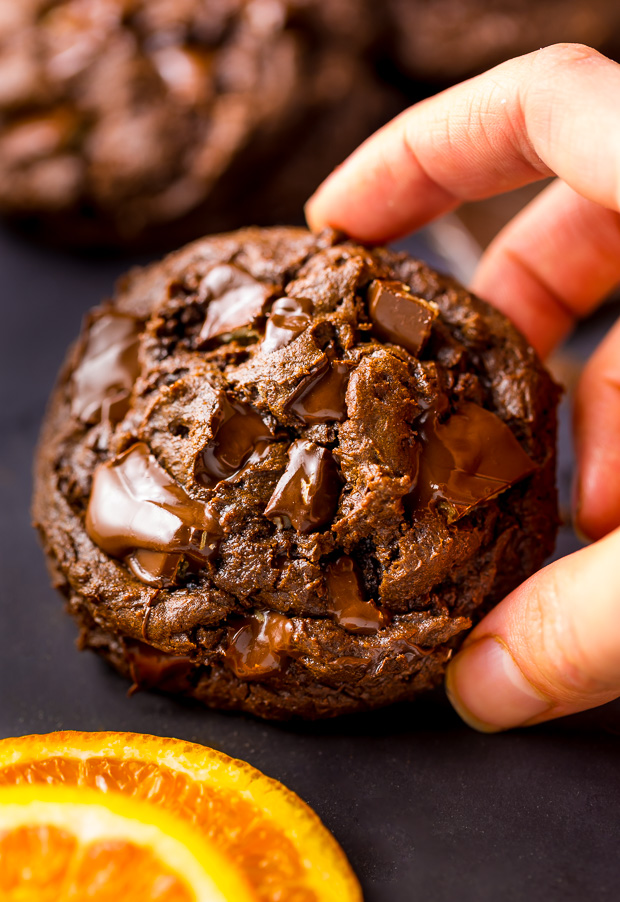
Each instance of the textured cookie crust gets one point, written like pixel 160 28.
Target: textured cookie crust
pixel 119 117
pixel 267 621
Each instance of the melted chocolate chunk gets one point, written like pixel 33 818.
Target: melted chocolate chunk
pixel 306 495
pixel 235 300
pixel 467 460
pixel 154 669
pixel 260 646
pixel 288 319
pixel 321 396
pixel 399 316
pixel 155 568
pixel 102 382
pixel 346 601
pixel 238 434
pixel 138 513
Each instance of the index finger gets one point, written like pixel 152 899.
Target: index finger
pixel 554 111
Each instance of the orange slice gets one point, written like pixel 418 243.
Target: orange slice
pixel 66 845
pixel 277 843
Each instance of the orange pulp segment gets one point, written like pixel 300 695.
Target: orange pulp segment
pixel 60 844
pixel 276 841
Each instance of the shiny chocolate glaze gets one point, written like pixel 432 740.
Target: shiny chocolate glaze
pixel 288 319
pixel 467 460
pixel 399 316
pixel 346 601
pixel 102 381
pixel 238 433
pixel 260 646
pixel 235 300
pixel 306 495
pixel 137 512
pixel 321 396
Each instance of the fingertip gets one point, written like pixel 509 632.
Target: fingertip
pixel 581 533
pixel 489 691
pixel 596 426
pixel 580 525
pixel 550 648
pixel 329 206
pixel 313 219
pixel 451 686
pixel 592 521
pixel 314 210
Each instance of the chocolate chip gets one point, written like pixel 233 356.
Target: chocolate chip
pixel 321 396
pixel 235 299
pixel 139 513
pixel 399 316
pixel 307 494
pixel 107 370
pixel 260 645
pixel 346 601
pixel 153 669
pixel 238 433
pixel 288 319
pixel 467 460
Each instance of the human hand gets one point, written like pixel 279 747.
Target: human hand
pixel 552 647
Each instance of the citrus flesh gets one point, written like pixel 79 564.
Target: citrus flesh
pixel 60 844
pixel 274 840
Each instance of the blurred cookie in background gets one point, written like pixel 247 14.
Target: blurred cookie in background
pixel 144 123
pixel 443 41
pixel 149 121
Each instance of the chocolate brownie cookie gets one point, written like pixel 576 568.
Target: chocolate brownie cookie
pixel 444 41
pixel 119 118
pixel 286 473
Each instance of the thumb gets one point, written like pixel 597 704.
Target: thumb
pixel 552 647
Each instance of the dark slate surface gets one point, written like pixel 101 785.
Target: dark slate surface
pixel 424 807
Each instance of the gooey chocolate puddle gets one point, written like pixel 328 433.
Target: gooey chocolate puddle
pixel 102 381
pixel 307 493
pixel 467 460
pixel 238 433
pixel 399 316
pixel 138 513
pixel 235 299
pixel 260 646
pixel 346 601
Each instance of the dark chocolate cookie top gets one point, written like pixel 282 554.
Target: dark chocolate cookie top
pixel 308 450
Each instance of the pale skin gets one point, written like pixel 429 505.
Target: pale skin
pixel 552 647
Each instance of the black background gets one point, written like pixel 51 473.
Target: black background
pixel 424 807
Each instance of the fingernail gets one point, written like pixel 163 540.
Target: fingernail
pixel 488 690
